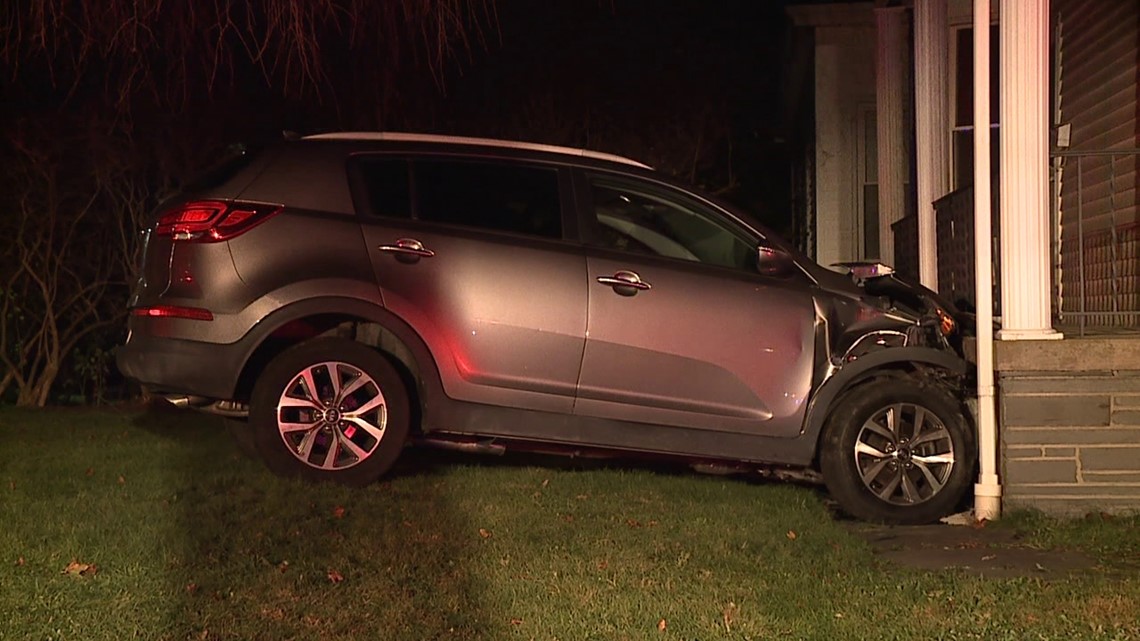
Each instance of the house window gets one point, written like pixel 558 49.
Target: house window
pixel 963 132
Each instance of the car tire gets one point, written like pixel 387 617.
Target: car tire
pixel 897 450
pixel 242 435
pixel 330 409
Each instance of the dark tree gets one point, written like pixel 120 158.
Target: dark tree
pixel 108 104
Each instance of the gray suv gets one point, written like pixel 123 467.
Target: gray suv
pixel 340 296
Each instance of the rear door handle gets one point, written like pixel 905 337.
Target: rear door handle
pixel 624 282
pixel 407 250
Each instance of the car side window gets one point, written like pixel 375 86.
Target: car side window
pixel 503 197
pixel 494 196
pixel 636 220
pixel 386 186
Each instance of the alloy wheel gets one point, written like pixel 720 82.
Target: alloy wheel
pixel 904 454
pixel 332 416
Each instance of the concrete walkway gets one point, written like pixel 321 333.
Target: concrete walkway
pixel 992 552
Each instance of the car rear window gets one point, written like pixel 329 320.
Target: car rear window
pixel 386 186
pixel 496 196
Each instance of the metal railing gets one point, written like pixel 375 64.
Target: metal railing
pixel 1095 248
pixel 1096 240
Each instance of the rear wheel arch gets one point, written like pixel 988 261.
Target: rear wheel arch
pixel 360 321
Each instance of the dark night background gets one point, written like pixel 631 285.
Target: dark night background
pixel 106 112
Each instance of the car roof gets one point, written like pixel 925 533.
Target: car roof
pixel 476 142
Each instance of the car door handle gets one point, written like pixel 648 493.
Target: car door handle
pixel 407 250
pixel 625 282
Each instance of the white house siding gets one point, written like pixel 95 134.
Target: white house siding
pixel 844 80
pixel 844 88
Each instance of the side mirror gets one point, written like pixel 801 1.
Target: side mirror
pixel 774 262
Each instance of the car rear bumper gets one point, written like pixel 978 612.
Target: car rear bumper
pixel 171 365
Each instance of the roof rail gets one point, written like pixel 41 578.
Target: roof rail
pixel 482 142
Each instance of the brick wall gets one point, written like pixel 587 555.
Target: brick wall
pixel 1069 415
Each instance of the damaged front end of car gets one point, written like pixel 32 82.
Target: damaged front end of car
pixel 895 312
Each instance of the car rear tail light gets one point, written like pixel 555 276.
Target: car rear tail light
pixel 212 220
pixel 174 311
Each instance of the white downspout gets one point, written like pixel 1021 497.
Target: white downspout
pixel 987 491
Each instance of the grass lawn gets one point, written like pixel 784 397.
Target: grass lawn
pixel 188 540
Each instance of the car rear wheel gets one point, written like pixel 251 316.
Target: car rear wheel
pixel 897 451
pixel 332 410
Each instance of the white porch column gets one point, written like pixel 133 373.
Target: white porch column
pixel 890 91
pixel 1025 275
pixel 932 125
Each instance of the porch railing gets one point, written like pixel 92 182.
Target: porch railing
pixel 1095 248
pixel 1096 240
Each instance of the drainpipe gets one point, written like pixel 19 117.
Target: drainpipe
pixel 987 491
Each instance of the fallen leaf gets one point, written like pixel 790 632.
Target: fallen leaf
pixel 582 497
pixel 728 614
pixel 516 621
pixel 122 481
pixel 569 518
pixel 338 512
pixel 1040 568
pixel 791 535
pixel 275 614
pixel 603 565
pixel 651 524
pixel 632 523
pixel 661 625
pixel 75 568
pixel 838 615
pixel 335 577
pixel 545 482
pixel 989 557
pixel 20 561
pixel 282 566
pixel 485 533
pixel 12 485
pixel 191 588
pixel 978 524
pixel 90 471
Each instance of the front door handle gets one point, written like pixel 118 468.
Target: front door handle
pixel 624 282
pixel 407 250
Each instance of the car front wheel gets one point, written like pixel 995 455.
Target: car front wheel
pixel 330 409
pixel 897 450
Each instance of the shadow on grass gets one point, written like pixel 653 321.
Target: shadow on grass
pixel 253 556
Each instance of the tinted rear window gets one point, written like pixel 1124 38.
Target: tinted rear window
pixel 503 197
pixel 510 198
pixel 386 185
